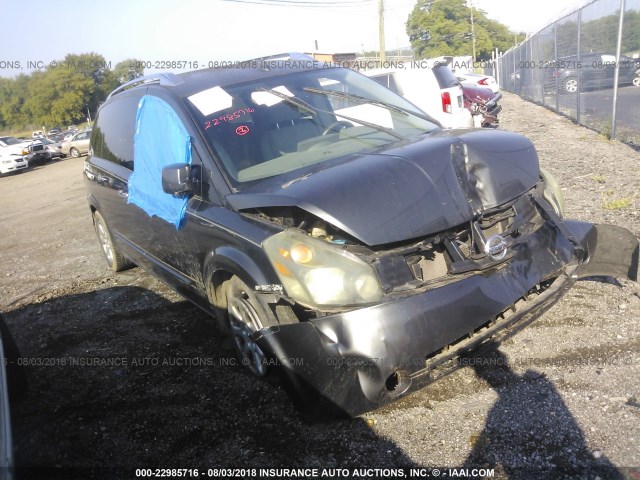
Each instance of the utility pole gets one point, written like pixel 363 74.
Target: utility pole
pixel 473 34
pixel 381 30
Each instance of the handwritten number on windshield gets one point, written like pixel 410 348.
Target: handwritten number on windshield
pixel 227 118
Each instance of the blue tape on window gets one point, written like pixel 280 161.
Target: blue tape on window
pixel 160 140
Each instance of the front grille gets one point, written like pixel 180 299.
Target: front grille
pixel 428 266
pixel 466 249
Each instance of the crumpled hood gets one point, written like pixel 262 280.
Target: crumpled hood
pixel 408 190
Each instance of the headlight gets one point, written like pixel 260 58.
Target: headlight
pixel 552 192
pixel 317 274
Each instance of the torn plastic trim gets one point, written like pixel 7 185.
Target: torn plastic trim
pixel 612 251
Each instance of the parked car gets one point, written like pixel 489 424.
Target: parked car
pixel 342 238
pixel 38 152
pixel 53 146
pixel 77 145
pixel 13 153
pixel 436 91
pixel 591 71
pixel 66 135
pixel 483 105
pixel 478 80
pixel 53 131
pixel 38 134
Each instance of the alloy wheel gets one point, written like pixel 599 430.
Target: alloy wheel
pixel 244 321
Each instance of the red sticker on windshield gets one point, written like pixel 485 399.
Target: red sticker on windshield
pixel 242 130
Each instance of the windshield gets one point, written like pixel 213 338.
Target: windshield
pixel 278 125
pixel 9 140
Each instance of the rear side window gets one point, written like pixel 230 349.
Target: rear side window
pixel 445 77
pixel 112 137
pixel 388 81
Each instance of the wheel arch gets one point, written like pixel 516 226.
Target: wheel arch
pixel 94 205
pixel 225 262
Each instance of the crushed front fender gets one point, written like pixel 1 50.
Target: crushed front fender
pixel 363 359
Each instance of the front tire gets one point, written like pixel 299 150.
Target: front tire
pixel 246 315
pixel 115 260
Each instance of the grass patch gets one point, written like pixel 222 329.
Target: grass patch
pixel 600 179
pixel 610 202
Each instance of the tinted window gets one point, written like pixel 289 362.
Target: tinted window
pixel 445 77
pixel 113 133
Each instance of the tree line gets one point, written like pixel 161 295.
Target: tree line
pixel 443 27
pixel 64 93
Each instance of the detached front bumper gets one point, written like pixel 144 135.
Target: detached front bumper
pixel 363 359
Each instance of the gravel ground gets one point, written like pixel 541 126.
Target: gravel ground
pixel 560 400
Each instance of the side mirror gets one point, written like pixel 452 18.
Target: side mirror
pixel 176 179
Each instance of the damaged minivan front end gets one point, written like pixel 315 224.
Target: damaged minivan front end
pixel 416 278
pixel 336 232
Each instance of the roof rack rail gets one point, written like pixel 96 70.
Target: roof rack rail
pixel 165 79
pixel 285 56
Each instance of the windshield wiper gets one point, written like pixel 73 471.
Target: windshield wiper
pixel 292 100
pixel 304 105
pixel 360 98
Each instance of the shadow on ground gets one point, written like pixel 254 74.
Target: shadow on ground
pixel 121 378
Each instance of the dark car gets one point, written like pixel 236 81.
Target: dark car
pixel 591 71
pixel 343 239
pixel 11 374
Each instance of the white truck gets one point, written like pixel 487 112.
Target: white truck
pixel 13 153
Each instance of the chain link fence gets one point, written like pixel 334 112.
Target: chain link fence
pixel 585 65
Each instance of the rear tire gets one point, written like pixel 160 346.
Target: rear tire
pixel 115 260
pixel 75 153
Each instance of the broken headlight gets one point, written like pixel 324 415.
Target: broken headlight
pixel 318 274
pixel 552 192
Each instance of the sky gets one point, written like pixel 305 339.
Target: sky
pixel 36 32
